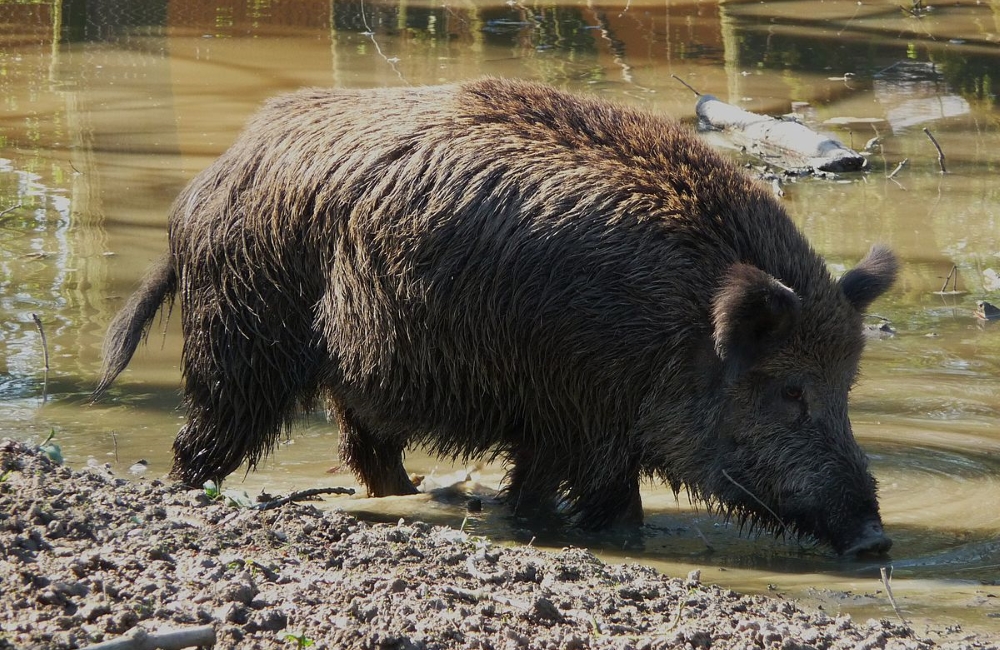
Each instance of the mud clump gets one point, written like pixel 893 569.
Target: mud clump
pixel 87 557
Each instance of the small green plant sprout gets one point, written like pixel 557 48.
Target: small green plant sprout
pixel 255 568
pixel 51 449
pixel 299 638
pixel 212 490
pixel 236 498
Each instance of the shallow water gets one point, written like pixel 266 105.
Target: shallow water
pixel 105 115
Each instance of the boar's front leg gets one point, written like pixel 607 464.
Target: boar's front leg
pixel 610 504
pixel 538 481
pixel 375 458
pixel 532 484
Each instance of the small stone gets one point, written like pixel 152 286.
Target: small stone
pixel 237 592
pixel 544 610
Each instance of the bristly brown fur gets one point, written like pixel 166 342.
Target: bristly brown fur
pixel 496 267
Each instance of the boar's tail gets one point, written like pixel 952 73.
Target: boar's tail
pixel 132 323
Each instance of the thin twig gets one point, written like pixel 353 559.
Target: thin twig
pixel 952 273
pixel 299 496
pixel 114 439
pixel 708 545
pixel 686 85
pixel 899 167
pixel 45 354
pixel 888 592
pixel 681 601
pixel 4 213
pixel 938 147
pixel 754 497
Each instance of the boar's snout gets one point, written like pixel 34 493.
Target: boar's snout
pixel 871 541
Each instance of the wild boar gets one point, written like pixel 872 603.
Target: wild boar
pixel 500 269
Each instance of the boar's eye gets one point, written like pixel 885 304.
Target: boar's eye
pixel 792 393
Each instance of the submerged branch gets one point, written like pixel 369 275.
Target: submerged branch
pixel 953 273
pixel 687 85
pixel 938 147
pixel 45 356
pixel 4 213
pixel 899 168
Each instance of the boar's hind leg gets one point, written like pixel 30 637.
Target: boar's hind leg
pixel 377 460
pixel 237 402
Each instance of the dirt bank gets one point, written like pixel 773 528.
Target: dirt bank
pixel 87 557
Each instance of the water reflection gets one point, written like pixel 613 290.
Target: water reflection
pixel 108 108
pixel 914 94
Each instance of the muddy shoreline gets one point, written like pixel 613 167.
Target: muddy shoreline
pixel 88 557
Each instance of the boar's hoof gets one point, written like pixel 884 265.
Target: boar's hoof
pixel 871 541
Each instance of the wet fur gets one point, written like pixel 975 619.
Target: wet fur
pixel 488 269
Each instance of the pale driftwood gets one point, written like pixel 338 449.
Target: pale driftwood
pixel 783 143
pixel 140 639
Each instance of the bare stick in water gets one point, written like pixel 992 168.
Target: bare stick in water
pixel 686 85
pixel 938 147
pixel 899 167
pixel 952 273
pixel 299 496
pixel 4 213
pixel 888 592
pixel 754 497
pixel 45 353
pixel 708 545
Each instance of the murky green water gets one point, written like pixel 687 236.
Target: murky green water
pixel 107 109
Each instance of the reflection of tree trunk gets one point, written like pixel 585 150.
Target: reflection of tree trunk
pixel 334 48
pixel 110 167
pixel 731 52
pixel 615 45
pixel 56 35
pixel 89 240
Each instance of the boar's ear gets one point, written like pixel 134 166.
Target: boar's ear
pixel 870 278
pixel 752 313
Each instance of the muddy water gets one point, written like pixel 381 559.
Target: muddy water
pixel 106 113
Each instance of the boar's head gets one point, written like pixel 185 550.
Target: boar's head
pixel 786 458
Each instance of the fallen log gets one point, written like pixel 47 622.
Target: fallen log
pixel 782 143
